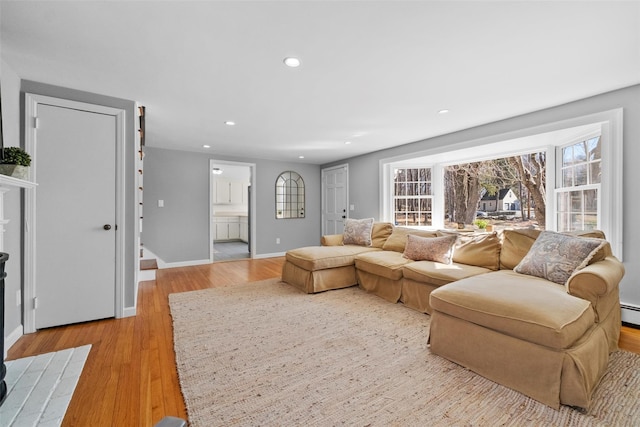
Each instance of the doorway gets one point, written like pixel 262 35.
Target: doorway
pixel 75 211
pixel 231 210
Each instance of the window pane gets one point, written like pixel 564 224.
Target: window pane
pixel 579 152
pixel 567 156
pixel 595 173
pixel 563 202
pixel 576 201
pixel 591 201
pixel 581 174
pixel 567 177
pixel 593 145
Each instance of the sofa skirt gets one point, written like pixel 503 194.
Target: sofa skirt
pixel 383 287
pixel 415 295
pixel 319 280
pixel 547 375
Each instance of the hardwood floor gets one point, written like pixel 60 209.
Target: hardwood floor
pixel 130 376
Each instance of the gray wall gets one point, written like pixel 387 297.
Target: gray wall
pixel 12 204
pixel 364 179
pixel 179 232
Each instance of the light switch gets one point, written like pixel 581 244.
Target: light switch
pixel 161 203
pixel 352 207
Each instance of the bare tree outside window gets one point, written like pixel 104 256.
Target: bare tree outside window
pixel 523 176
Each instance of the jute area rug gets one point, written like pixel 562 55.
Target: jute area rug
pixel 265 354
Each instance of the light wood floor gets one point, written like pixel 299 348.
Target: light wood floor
pixel 130 376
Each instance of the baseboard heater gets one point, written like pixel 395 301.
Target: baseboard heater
pixel 631 314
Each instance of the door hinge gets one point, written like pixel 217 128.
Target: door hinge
pixel 35 303
pixel 36 123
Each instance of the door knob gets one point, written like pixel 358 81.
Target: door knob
pixel 107 227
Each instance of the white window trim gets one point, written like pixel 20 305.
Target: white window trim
pixel 538 138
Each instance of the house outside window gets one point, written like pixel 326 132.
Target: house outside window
pixel 578 190
pixel 412 196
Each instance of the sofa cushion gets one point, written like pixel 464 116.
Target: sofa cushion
pixel 439 249
pixel 555 256
pixel 357 231
pixel 398 239
pixel 437 274
pixel 515 245
pixel 380 233
pixel 314 258
pixel 382 263
pixel 526 307
pixel 479 249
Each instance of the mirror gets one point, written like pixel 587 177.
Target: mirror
pixel 289 195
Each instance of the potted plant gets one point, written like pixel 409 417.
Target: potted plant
pixel 15 162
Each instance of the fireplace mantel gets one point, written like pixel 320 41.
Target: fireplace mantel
pixel 15 182
pixel 6 183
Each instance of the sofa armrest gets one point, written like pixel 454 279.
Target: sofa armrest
pixel 596 281
pixel 331 240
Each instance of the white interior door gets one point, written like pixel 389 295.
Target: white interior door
pixel 75 216
pixel 335 196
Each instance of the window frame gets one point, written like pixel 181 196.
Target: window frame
pixel 419 197
pixel 545 137
pixel 560 188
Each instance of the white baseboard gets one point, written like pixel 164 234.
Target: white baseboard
pixel 161 264
pixel 630 313
pixel 183 263
pixel 273 255
pixel 11 339
pixel 129 312
pixel 146 275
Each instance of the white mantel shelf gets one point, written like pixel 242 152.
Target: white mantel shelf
pixel 15 182
pixel 6 182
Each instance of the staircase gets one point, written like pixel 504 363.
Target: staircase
pixel 148 269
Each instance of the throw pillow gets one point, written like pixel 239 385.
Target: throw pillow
pixel 398 239
pixel 439 249
pixel 555 256
pixel 357 231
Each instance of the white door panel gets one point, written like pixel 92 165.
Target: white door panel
pixel 75 200
pixel 334 199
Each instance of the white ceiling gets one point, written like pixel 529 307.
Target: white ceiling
pixel 375 73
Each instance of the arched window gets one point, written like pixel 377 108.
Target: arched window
pixel 289 195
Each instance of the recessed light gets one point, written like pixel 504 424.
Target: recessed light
pixel 445 111
pixel 301 157
pixel 291 62
pixel 347 142
pixel 206 146
pixel 230 123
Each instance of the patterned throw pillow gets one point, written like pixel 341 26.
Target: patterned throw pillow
pixel 439 249
pixel 357 231
pixel 555 256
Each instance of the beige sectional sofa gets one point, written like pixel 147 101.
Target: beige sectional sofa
pixel 548 340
